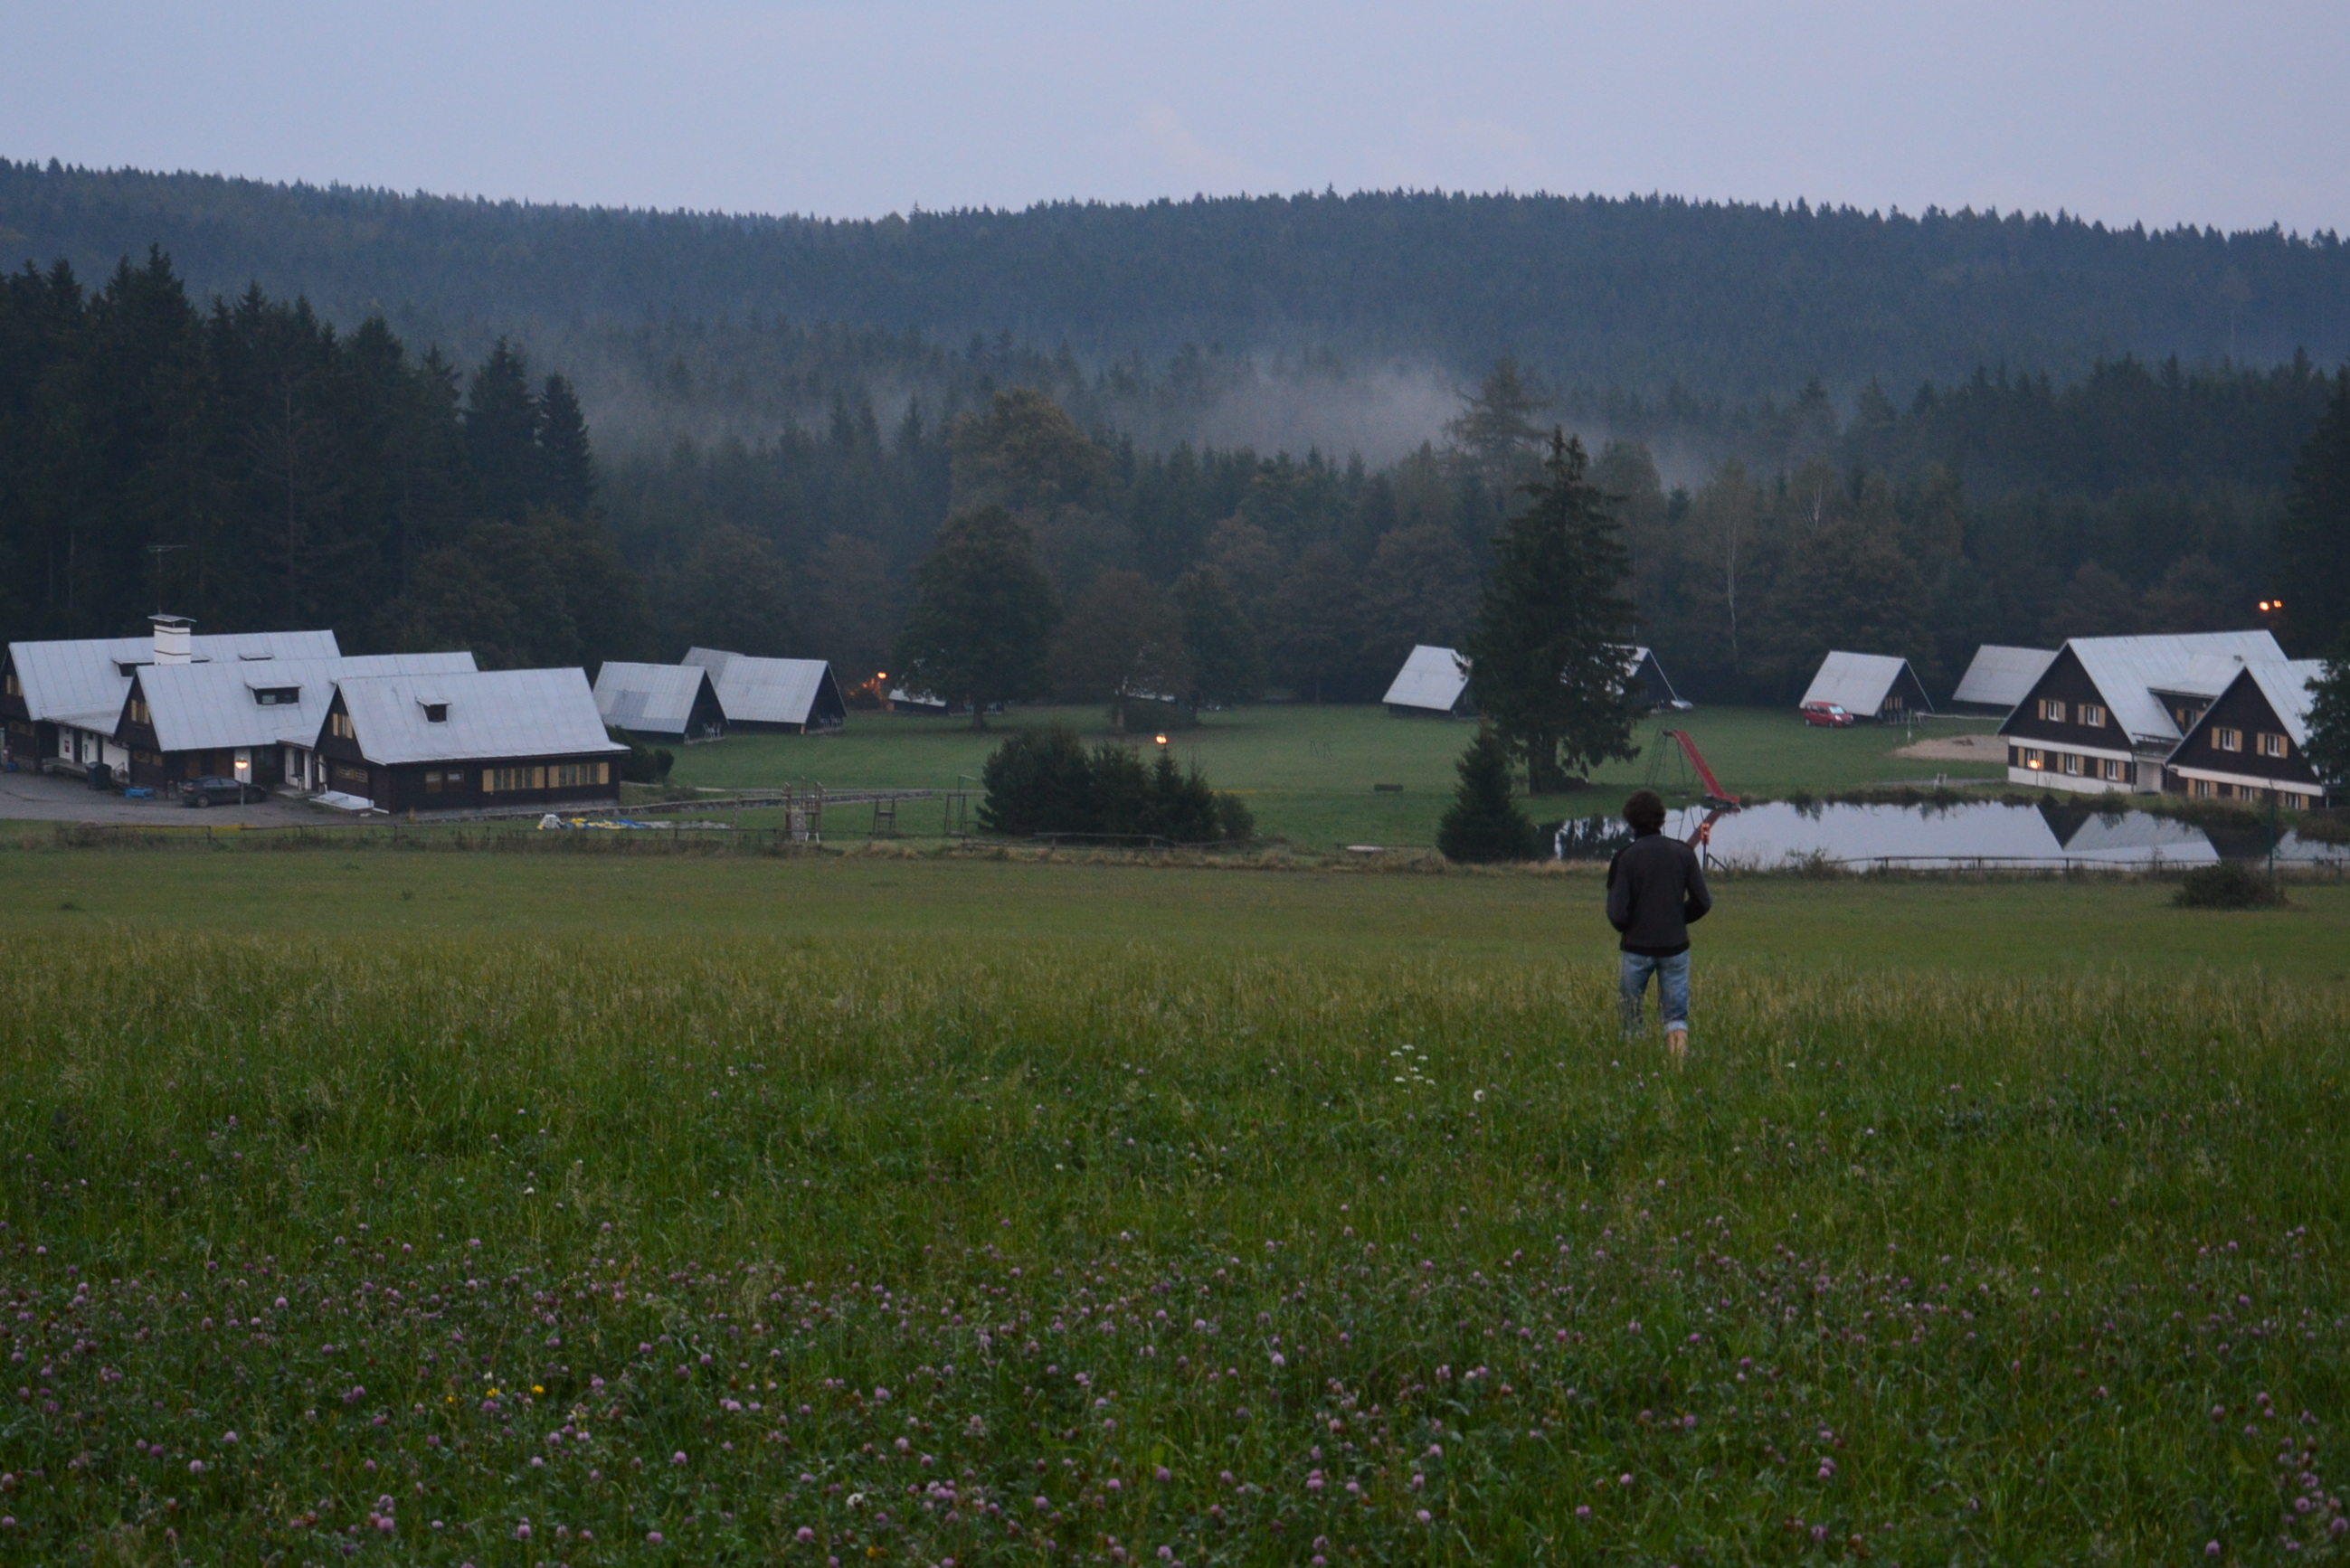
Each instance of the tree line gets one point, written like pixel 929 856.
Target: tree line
pixel 1723 300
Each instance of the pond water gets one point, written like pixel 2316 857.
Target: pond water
pixel 1990 834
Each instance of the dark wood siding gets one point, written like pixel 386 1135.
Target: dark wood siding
pixel 2244 709
pixel 2064 681
pixel 407 787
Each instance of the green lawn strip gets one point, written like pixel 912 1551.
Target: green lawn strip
pixel 2040 926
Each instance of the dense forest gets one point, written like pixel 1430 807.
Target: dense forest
pixel 250 464
pixel 1644 296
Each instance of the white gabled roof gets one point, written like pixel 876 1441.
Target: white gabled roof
pixel 2002 677
pixel 197 707
pixel 82 681
pixel 2130 670
pixel 657 699
pixel 1433 678
pixel 1856 682
pixel 762 691
pixel 493 713
pixel 2285 683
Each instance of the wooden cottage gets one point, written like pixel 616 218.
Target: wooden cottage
pixel 255 720
pixel 1870 686
pixel 61 702
pixel 470 740
pixel 793 696
pixel 2251 743
pixel 660 702
pixel 1999 677
pixel 2108 711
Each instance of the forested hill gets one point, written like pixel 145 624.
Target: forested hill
pixel 1641 295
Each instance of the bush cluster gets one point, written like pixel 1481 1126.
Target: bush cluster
pixel 1047 781
pixel 643 764
pixel 2228 885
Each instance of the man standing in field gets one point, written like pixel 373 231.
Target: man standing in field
pixel 1656 890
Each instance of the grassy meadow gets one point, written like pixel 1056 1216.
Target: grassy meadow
pixel 1308 771
pixel 604 1208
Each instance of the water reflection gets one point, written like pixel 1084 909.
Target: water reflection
pixel 1988 834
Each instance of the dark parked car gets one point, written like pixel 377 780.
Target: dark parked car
pixel 213 791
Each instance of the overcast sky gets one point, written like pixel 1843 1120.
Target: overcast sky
pixel 2232 114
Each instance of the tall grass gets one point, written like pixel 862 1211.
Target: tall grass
pixel 494 1252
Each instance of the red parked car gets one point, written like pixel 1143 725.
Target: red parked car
pixel 1828 716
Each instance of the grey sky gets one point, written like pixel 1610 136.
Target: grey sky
pixel 2232 115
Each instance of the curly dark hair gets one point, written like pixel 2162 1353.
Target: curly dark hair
pixel 1645 811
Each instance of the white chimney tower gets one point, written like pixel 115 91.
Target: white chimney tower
pixel 175 641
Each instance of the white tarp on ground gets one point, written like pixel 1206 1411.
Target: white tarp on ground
pixel 2001 677
pixel 1433 679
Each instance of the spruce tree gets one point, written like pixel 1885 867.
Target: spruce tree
pixel 1548 653
pixel 1483 823
pixel 566 462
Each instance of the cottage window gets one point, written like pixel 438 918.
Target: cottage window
pixel 2271 745
pixel 431 782
pixel 2092 715
pixel 16 687
pixel 139 713
pixel 2032 757
pixel 2227 740
pixel 2051 708
pixel 2200 788
pixel 2116 772
pixel 339 724
pixel 2071 763
pixel 436 713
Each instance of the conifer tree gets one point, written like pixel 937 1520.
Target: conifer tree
pixel 1483 823
pixel 1546 655
pixel 567 463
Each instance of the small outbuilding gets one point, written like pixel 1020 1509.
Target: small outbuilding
pixel 661 702
pixel 791 696
pixel 1434 680
pixel 1869 685
pixel 1644 678
pixel 1999 677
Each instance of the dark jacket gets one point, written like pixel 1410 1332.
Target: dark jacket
pixel 1655 891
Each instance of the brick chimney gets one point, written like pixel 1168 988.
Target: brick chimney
pixel 175 640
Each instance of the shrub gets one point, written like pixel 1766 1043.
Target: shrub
pixel 1046 781
pixel 643 764
pixel 1483 823
pixel 2228 885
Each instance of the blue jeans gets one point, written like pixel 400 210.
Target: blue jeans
pixel 1673 989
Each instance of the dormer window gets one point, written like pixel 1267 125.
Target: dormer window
pixel 276 696
pixel 436 713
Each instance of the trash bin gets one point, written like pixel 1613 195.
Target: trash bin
pixel 101 775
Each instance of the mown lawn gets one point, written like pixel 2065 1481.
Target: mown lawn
pixel 632 1211
pixel 1310 771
